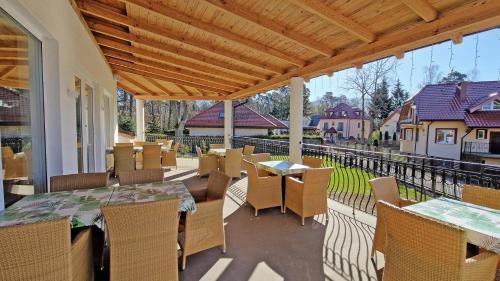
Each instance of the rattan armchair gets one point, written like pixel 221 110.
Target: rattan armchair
pixel 36 252
pixel 151 157
pixel 141 176
pixel 143 240
pixel 421 249
pixel 82 268
pixel 216 145
pixel 230 164
pixel 308 197
pixel 312 162
pixel 385 189
pixel 247 155
pixel 124 159
pixel 263 191
pixel 204 229
pixel 261 157
pixel 78 181
pixel 166 143
pixel 482 196
pixel 121 144
pixel 169 158
pixel 206 163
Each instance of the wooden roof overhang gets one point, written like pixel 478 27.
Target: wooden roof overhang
pixel 230 49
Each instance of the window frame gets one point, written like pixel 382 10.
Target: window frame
pixel 445 129
pixel 485 134
pixel 404 137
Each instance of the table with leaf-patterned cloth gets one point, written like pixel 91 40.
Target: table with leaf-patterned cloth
pixel 282 168
pixel 481 224
pixel 83 207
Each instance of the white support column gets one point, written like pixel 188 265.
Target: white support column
pixel 228 122
pixel 139 120
pixel 296 118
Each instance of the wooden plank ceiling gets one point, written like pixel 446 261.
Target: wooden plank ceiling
pixel 229 49
pixel 13 56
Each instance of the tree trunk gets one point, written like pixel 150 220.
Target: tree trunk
pixel 363 117
pixel 182 118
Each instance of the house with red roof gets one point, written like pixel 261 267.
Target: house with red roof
pixel 247 122
pixel 346 121
pixel 456 121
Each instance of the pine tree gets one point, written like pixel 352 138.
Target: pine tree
pixel 381 104
pixel 399 95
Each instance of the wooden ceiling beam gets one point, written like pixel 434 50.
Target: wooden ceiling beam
pixel 271 25
pixel 169 74
pixel 136 83
pixel 319 8
pixel 214 30
pixel 467 19
pixel 17 55
pixel 163 78
pixel 13 44
pixel 7 71
pixel 161 66
pixel 14 83
pixel 156 56
pixel 12 62
pixel 181 97
pixel 159 86
pixel 127 89
pixel 116 33
pixel 184 90
pixel 422 8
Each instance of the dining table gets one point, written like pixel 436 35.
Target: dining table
pixel 481 224
pixel 83 206
pixel 282 169
pixel 221 152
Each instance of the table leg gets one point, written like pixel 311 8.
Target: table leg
pixel 283 189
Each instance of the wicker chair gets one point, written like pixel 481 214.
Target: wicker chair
pixel 121 144
pixel 124 159
pixel 169 158
pixel 141 176
pixel 82 268
pixel 312 162
pixel 78 181
pixel 143 240
pixel 247 155
pixel 36 252
pixel 385 189
pixel 261 157
pixel 231 163
pixel 263 192
pixel 204 229
pixel 139 143
pixel 151 157
pixel 308 197
pixel 166 143
pixel 216 145
pixel 436 248
pixel 206 163
pixel 482 196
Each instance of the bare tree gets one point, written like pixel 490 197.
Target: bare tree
pixel 364 82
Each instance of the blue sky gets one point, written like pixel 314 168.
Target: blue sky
pixel 487 64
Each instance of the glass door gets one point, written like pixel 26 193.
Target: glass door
pixel 79 125
pixel 89 125
pixel 22 134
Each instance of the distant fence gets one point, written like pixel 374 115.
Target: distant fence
pixel 419 178
pixel 188 143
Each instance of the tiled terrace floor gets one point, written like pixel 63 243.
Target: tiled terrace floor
pixel 274 246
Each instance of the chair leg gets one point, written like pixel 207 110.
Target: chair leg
pixel 256 212
pixel 183 261
pixel 302 218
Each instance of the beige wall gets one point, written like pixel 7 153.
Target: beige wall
pixel 242 132
pixel 415 146
pixel 68 50
pixel 390 126
pixel 350 127
pixel 446 150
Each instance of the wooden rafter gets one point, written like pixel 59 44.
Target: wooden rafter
pixel 116 33
pixel 17 55
pixel 212 29
pixel 136 83
pixel 163 78
pixel 127 89
pixel 466 20
pixel 184 90
pixel 169 74
pixel 422 8
pixel 322 10
pixel 18 44
pixel 13 62
pixel 271 25
pixel 180 97
pixel 7 71
pixel 14 83
pixel 162 66
pixel 159 86
pixel 156 56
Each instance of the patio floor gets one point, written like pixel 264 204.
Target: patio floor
pixel 274 246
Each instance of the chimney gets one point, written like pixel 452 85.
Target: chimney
pixel 462 90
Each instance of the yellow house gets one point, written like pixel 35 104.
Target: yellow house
pixel 346 120
pixel 453 121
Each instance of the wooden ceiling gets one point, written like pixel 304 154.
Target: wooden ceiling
pixel 13 56
pixel 229 49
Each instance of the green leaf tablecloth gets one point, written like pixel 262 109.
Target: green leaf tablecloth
pixel 481 224
pixel 83 207
pixel 281 168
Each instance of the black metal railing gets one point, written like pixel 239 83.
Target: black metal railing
pixel 188 144
pixel 476 147
pixel 419 178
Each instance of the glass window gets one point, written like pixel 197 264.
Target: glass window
pixel 325 126
pixel 221 115
pixel 79 135
pixel 408 134
pixel 340 126
pixel 445 136
pixel 481 134
pixel 21 111
pixel 494 105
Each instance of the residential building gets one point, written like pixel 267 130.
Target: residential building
pixel 346 120
pixel 453 121
pixel 390 126
pixel 247 122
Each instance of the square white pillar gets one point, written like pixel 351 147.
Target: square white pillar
pixel 139 120
pixel 296 118
pixel 228 122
